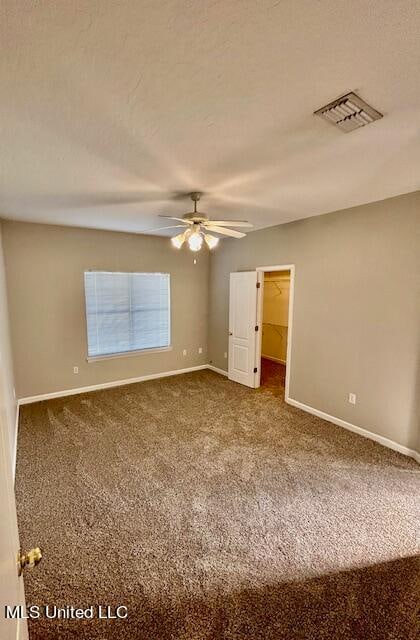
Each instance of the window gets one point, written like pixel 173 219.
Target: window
pixel 126 312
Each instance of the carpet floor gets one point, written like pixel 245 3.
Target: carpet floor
pixel 213 511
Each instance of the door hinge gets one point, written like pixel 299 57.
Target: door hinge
pixel 258 285
pixel 256 327
pixel 255 369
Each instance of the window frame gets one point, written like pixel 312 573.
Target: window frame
pixel 134 352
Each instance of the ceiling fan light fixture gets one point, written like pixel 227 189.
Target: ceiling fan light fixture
pixel 195 241
pixel 178 241
pixel 211 241
pixel 198 224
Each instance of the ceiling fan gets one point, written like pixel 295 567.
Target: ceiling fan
pixel 197 224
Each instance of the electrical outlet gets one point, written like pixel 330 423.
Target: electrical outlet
pixel 75 369
pixel 225 354
pixel 200 349
pixel 352 398
pixel 184 353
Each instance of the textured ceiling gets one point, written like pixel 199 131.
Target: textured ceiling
pixel 110 109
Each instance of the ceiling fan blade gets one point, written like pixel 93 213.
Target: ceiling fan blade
pixel 180 219
pixel 172 226
pixel 225 232
pixel 231 223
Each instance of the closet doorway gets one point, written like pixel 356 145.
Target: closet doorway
pixel 275 315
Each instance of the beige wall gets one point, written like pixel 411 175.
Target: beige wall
pixel 275 315
pixel 8 406
pixel 356 324
pixel 45 266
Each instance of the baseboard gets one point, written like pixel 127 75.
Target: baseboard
pixel 273 359
pixel 15 441
pixel 386 442
pixel 108 385
pixel 217 370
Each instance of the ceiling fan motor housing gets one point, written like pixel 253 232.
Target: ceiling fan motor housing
pixel 199 218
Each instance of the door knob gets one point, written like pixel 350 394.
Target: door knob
pixel 230 333
pixel 29 559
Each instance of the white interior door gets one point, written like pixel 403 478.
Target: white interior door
pixel 11 586
pixel 242 323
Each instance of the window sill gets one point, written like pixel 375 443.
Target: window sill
pixel 127 354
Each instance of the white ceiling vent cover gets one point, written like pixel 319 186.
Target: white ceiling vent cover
pixel 349 112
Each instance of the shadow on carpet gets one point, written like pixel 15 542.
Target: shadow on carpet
pixel 372 603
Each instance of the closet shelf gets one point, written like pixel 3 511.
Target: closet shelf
pixel 276 327
pixel 274 324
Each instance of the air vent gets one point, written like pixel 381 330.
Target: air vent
pixel 349 112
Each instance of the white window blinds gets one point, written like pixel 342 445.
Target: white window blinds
pixel 126 311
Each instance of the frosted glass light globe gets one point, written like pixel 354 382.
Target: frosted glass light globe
pixel 195 241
